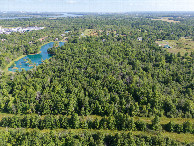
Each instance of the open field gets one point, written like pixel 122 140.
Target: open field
pixel 182 137
pixel 93 32
pixel 165 120
pixel 2 115
pixel 182 45
pixel 90 32
pixel 167 20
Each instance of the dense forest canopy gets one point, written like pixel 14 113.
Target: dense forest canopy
pixel 104 70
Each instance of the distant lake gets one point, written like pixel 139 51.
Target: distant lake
pixel 60 15
pixel 35 59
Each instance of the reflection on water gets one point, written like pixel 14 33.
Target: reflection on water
pixel 29 61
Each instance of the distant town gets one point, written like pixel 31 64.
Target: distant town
pixel 18 29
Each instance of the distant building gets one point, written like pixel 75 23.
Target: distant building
pixel 67 31
pixel 139 38
pixel 167 46
pixel 66 38
pixel 18 29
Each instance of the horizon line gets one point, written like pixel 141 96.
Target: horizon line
pixel 88 12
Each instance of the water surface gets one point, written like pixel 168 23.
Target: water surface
pixel 51 16
pixel 29 61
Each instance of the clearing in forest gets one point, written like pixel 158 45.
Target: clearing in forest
pixel 90 32
pixel 182 45
pixel 167 19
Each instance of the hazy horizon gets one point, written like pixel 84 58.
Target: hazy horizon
pixel 97 6
pixel 96 12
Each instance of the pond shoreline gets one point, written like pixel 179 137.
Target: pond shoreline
pixel 11 63
pixel 22 56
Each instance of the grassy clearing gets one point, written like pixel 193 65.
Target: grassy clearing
pixel 182 137
pixel 165 120
pixel 93 32
pixel 90 32
pixel 167 19
pixel 2 115
pixel 182 45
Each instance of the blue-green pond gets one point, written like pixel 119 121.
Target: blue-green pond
pixel 28 61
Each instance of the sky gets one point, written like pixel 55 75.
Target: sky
pixel 96 5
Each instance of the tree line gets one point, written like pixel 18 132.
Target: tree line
pixel 118 122
pixel 35 137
